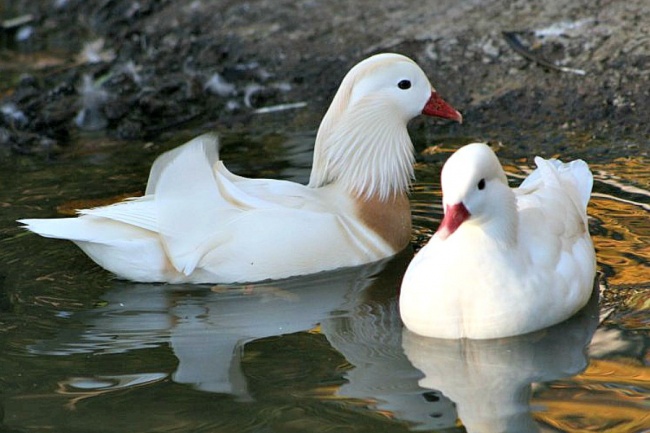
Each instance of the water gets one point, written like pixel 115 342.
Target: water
pixel 83 352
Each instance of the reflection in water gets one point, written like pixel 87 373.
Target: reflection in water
pixel 622 239
pixel 151 353
pixel 207 330
pixel 490 380
pixel 80 388
pixel 370 338
pixel 357 312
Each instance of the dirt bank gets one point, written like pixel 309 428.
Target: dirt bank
pixel 138 69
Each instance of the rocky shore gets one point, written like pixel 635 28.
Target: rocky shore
pixel 536 75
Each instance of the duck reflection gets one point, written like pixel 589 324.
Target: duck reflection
pixel 208 327
pixel 370 338
pixel 490 380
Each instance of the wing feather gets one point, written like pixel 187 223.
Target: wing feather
pixel 209 143
pixel 554 196
pixel 139 212
pixel 197 201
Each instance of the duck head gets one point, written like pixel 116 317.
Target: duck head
pixel 363 142
pixel 475 190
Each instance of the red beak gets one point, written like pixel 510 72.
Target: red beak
pixel 455 215
pixel 437 107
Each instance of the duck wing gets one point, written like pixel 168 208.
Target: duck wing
pixel 555 197
pixel 192 200
pixel 575 177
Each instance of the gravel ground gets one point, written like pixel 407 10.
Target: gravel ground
pixel 139 69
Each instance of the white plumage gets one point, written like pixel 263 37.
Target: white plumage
pixel 504 261
pixel 199 223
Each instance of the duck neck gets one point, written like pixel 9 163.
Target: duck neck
pixel 504 227
pixel 366 150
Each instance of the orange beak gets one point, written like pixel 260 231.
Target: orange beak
pixel 438 107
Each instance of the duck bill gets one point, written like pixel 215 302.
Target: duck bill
pixel 455 215
pixel 438 107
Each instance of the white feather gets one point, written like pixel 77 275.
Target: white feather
pixel 506 270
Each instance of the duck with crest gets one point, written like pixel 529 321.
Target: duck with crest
pixel 200 223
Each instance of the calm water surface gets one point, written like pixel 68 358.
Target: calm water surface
pixel 81 351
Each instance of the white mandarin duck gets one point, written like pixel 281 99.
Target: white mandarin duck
pixel 503 261
pixel 199 223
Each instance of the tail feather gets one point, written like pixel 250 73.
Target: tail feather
pixel 577 172
pixel 85 228
pixel 572 176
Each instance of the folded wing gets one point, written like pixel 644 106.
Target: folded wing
pixel 555 197
pixel 192 199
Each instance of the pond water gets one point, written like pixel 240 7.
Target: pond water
pixel 82 351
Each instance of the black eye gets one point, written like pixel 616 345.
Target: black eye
pixel 404 84
pixel 481 184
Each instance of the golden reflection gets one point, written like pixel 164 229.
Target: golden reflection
pixel 599 417
pixel 621 243
pixel 621 206
pixel 633 304
pixel 623 371
pixel 634 169
pixel 585 404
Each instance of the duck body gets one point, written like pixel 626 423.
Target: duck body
pixel 504 261
pixel 200 223
pixel 230 229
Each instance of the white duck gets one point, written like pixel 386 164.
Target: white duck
pixel 504 261
pixel 199 223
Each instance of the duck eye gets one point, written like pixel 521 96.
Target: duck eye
pixel 481 184
pixel 404 84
